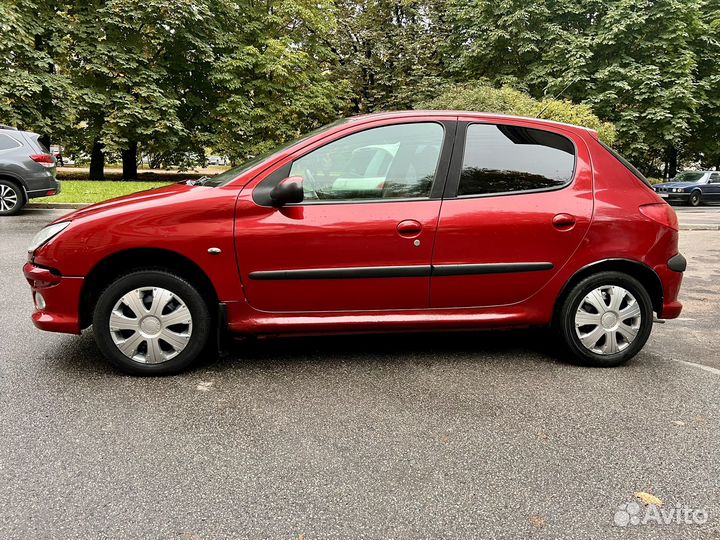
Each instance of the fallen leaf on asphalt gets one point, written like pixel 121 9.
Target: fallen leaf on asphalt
pixel 204 386
pixel 648 499
pixel 537 521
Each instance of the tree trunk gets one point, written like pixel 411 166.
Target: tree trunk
pixel 672 161
pixel 45 141
pixel 97 162
pixel 665 170
pixel 129 161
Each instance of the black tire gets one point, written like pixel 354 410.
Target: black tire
pixel 695 198
pixel 201 322
pixel 571 303
pixel 10 195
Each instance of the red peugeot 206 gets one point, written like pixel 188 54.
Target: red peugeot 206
pixel 386 222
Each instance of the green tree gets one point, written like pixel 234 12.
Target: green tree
pixel 482 97
pixel 34 94
pixel 275 75
pixel 389 51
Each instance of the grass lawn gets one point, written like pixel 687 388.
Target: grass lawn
pixel 78 191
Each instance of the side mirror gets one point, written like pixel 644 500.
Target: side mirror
pixel 289 190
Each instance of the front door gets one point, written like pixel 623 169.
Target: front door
pixel 362 238
pixel 519 202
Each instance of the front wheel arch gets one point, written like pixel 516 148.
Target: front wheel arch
pixel 126 261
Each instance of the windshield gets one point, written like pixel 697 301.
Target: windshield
pixel 228 176
pixel 688 176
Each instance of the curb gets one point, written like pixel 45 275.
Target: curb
pixel 700 227
pixel 51 206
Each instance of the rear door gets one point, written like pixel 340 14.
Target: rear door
pixel 518 203
pixel 362 238
pixel 713 188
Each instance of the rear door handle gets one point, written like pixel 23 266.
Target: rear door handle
pixel 564 222
pixel 409 228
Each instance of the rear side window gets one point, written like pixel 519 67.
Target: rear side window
pixel 7 142
pixel 507 159
pixel 629 166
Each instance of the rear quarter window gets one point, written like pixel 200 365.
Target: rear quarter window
pixel 509 159
pixel 7 142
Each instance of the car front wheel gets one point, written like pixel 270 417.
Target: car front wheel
pixel 151 322
pixel 11 198
pixel 606 319
pixel 695 198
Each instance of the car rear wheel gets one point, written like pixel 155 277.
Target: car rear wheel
pixel 606 319
pixel 151 322
pixel 695 198
pixel 11 198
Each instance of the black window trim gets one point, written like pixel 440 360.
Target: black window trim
pixel 261 192
pixel 452 185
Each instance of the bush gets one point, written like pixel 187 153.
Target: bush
pixel 481 97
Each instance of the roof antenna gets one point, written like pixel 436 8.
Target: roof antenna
pixel 560 93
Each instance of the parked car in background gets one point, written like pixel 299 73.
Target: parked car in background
pixel 217 160
pixel 692 188
pixel 378 223
pixel 27 170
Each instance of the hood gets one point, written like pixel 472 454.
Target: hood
pixel 163 195
pixel 677 184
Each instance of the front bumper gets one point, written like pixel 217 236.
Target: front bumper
pixel 61 294
pixel 674 197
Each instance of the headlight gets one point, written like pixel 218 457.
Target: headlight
pixel 46 234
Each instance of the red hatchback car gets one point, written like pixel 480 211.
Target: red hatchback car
pixel 387 222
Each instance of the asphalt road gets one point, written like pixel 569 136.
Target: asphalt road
pixel 413 436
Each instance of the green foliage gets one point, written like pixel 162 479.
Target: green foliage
pixel 276 84
pixel 482 97
pixel 180 76
pixel 32 93
pixel 648 66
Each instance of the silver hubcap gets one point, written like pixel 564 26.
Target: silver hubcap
pixel 8 197
pixel 608 320
pixel 150 325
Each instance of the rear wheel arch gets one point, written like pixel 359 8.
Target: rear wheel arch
pixel 17 182
pixel 124 262
pixel 647 277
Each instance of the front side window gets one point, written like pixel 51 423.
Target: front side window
pixel 715 178
pixel 389 162
pixel 505 159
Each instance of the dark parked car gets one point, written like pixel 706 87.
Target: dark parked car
pixel 382 223
pixel 27 170
pixel 692 188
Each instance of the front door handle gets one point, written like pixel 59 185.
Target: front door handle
pixel 409 228
pixel 564 222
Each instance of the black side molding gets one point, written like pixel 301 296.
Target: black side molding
pixel 492 268
pixel 400 271
pixel 677 263
pixel 343 273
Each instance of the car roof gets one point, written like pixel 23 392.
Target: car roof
pixel 486 115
